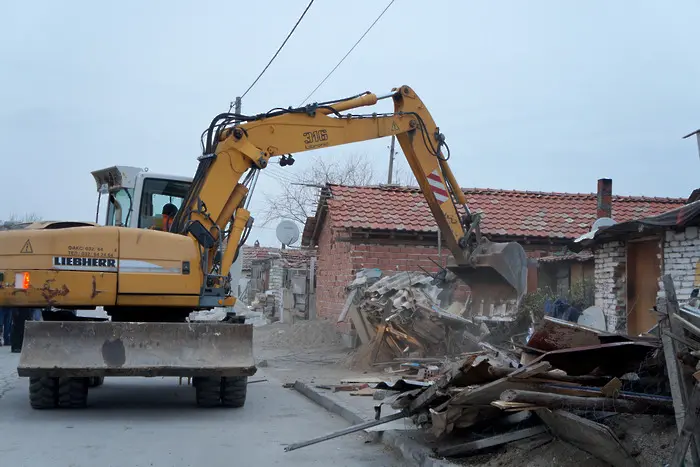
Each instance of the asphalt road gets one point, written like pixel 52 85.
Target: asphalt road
pixel 154 422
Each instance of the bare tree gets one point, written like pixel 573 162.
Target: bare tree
pixel 300 194
pixel 403 175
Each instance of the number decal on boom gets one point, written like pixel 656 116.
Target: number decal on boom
pixel 315 139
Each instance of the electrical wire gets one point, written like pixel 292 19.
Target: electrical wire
pixel 346 55
pixel 278 51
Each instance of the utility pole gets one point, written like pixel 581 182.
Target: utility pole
pixel 237 105
pixel 391 159
pixel 696 133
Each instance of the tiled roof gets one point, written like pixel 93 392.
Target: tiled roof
pixel 506 212
pixel 294 258
pixel 251 253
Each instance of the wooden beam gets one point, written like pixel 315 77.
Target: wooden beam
pixel 531 370
pixel 690 426
pixel 466 448
pixel 378 343
pixel 679 390
pixel 598 404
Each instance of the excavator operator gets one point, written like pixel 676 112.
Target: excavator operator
pixel 169 212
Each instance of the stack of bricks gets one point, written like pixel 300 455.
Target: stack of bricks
pixel 681 255
pixel 610 276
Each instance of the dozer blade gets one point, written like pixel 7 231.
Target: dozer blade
pixel 498 273
pixel 81 349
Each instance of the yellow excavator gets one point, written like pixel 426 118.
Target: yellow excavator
pixel 149 279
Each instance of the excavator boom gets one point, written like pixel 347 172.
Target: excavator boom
pixel 236 143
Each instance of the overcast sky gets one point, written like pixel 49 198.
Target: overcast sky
pixel 533 95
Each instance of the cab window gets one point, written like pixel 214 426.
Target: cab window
pixel 124 197
pixel 156 194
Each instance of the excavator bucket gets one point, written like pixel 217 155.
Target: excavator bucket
pixel 86 349
pixel 498 273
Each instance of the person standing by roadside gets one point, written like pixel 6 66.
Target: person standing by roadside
pixel 6 324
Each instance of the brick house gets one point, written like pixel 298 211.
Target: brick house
pixel 631 257
pixel 392 228
pixel 277 270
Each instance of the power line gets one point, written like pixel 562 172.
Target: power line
pixel 346 55
pixel 278 50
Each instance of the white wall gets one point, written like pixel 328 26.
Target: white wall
pixel 681 256
pixel 610 276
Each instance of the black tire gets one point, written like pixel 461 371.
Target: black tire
pixel 233 391
pixel 43 393
pixel 96 381
pixel 72 392
pixel 208 391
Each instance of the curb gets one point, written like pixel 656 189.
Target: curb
pixel 412 451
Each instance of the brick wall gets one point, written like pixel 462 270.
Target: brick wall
pixel 333 273
pixel 338 261
pixel 610 273
pixel 681 256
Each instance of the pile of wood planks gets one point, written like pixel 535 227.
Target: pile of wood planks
pixel 399 316
pixel 558 392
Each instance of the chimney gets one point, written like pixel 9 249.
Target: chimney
pixel 604 206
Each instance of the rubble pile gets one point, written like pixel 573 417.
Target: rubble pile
pixel 265 303
pixel 562 381
pixel 399 316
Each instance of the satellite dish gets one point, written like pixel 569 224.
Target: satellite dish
pixel 287 232
pixel 602 222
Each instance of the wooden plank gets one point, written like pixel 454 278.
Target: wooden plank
pixel 378 344
pixel 445 379
pixel 598 404
pixel 679 390
pixel 689 427
pixel 687 342
pixel 487 393
pixel 466 448
pixel 687 324
pixel 531 370
pixel 363 332
pixel 348 304
pixel 592 437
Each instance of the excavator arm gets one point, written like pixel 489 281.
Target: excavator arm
pixel 236 147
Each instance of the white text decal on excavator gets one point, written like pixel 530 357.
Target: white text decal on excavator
pixel 84 264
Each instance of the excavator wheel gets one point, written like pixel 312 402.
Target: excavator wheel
pixel 43 393
pixel 215 391
pixel 233 391
pixel 72 392
pixel 96 381
pixel 208 391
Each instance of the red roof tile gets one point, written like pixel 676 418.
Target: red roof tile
pixel 293 257
pixel 506 212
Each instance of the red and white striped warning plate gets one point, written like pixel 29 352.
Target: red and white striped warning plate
pixel 437 186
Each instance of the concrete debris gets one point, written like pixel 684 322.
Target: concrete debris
pixel 267 304
pixel 399 316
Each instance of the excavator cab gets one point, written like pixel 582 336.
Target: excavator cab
pixel 135 196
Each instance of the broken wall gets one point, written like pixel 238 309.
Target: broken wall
pixel 681 253
pixel 610 276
